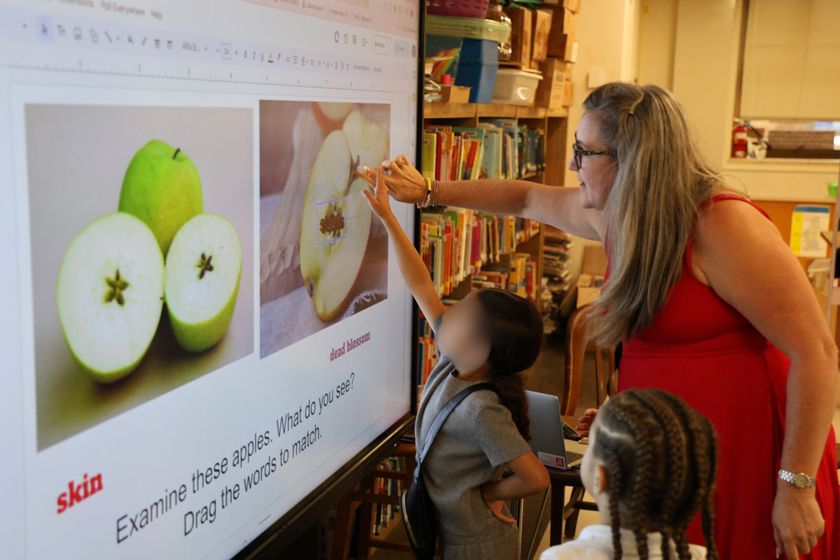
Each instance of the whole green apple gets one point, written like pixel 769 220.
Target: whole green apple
pixel 161 187
pixel 202 280
pixel 110 295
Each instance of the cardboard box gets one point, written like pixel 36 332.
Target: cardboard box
pixel 520 35
pixel 563 46
pixel 454 94
pixel 540 32
pixel 588 288
pixel 568 93
pixel 562 20
pixel 592 270
pixel 551 91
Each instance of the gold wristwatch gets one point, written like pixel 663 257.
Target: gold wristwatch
pixel 797 480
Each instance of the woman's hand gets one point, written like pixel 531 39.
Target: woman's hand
pixel 797 521
pixel 377 195
pixel 495 506
pixel 585 422
pixel 403 181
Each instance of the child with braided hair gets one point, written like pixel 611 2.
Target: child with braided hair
pixel 650 466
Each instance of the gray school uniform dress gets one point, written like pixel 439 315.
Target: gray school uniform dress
pixel 476 439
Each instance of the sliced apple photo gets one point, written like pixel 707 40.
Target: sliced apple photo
pixel 203 268
pixel 330 115
pixel 334 227
pixel 162 187
pixel 110 295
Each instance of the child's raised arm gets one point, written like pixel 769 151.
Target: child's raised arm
pixel 411 264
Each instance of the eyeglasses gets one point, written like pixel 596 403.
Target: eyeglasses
pixel 579 152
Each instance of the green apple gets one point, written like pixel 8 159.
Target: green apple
pixel 336 221
pixel 161 187
pixel 110 295
pixel 330 116
pixel 203 267
pixel 368 141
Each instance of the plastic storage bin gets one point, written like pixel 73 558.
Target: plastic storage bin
pixel 463 8
pixel 477 68
pixel 517 87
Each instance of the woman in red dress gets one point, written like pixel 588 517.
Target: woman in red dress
pixel 710 304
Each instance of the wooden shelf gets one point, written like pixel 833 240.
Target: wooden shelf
pixel 448 110
pixel 489 110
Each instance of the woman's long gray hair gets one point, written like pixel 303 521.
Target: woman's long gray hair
pixel 651 210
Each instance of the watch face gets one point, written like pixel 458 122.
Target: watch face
pixel 800 481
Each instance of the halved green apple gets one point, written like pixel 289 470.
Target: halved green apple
pixel 203 267
pixel 110 295
pixel 334 227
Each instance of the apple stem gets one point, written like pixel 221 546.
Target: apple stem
pixel 177 151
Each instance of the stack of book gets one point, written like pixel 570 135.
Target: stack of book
pixel 556 277
pixel 497 148
pixel 456 243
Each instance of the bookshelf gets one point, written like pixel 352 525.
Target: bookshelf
pixel 549 129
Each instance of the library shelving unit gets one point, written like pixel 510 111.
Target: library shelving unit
pixel 552 127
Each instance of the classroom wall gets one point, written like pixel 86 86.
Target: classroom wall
pixel 607 46
pixel 693 48
pixel 704 71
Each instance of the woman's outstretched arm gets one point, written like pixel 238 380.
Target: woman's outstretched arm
pixel 555 206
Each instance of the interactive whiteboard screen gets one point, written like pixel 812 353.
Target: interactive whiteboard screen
pixel 201 320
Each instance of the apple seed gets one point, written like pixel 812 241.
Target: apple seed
pixel 117 286
pixel 205 265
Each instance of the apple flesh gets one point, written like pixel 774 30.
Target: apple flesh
pixel 161 187
pixel 110 295
pixel 368 141
pixel 203 268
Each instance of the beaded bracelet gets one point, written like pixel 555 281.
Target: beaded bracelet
pixel 427 197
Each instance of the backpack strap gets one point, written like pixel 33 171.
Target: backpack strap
pixel 443 413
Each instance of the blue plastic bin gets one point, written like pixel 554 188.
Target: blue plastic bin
pixel 477 68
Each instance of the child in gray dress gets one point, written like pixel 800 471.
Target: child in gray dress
pixel 490 335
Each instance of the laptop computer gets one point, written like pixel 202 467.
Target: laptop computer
pixel 547 438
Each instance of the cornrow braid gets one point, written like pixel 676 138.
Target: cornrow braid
pixel 641 543
pixel 703 440
pixel 708 514
pixel 632 439
pixel 615 481
pixel 672 494
pixel 664 454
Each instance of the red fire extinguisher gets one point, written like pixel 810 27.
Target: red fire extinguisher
pixel 739 140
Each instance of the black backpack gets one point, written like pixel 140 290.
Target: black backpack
pixel 418 511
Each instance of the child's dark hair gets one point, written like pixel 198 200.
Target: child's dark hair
pixel 660 456
pixel 515 329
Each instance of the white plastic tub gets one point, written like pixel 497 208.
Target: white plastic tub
pixel 518 87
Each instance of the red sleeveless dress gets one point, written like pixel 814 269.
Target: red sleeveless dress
pixel 704 351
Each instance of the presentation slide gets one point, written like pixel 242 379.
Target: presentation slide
pixel 202 321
